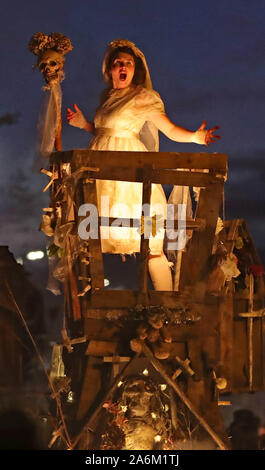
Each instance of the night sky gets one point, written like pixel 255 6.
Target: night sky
pixel 206 59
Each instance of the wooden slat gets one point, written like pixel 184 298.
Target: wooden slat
pixel 129 299
pixel 101 348
pixel 95 254
pixel 226 338
pixel 92 384
pixel 80 157
pixel 161 176
pixel 144 247
pixel 197 224
pixel 202 242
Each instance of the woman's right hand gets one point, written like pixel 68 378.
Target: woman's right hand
pixel 76 118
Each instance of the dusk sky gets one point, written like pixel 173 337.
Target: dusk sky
pixel 206 59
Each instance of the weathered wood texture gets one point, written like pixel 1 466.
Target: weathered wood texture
pixel 195 259
pixel 95 254
pixel 227 339
pixel 144 247
pixel 92 384
pixel 82 157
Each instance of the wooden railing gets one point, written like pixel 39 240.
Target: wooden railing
pixel 203 170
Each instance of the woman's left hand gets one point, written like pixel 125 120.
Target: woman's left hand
pixel 205 136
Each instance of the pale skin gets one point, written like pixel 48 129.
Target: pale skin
pixel 122 73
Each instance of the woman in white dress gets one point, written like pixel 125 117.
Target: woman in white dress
pixel 128 118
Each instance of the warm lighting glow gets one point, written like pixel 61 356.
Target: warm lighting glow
pixel 33 255
pixel 157 438
pixel 124 409
pixel 70 397
pixel 145 372
pixel 153 415
pixel 163 387
pixel 106 282
pixel 166 407
pixel 120 384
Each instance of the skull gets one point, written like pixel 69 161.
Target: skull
pixel 51 65
pixel 137 395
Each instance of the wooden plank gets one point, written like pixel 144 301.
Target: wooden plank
pixel 144 246
pixel 195 356
pixel 130 299
pixel 118 299
pixel 226 338
pixel 191 224
pixel 256 314
pixel 81 157
pixel 101 348
pixel 201 244
pixel 72 282
pixel 160 176
pixel 95 258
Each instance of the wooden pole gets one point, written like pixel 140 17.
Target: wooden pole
pixel 157 365
pixel 250 332
pixel 180 252
pixel 144 250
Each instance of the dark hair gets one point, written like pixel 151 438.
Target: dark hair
pixel 140 72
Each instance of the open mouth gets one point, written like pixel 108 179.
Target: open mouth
pixel 123 76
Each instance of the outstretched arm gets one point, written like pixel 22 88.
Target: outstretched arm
pixel 77 119
pixel 179 134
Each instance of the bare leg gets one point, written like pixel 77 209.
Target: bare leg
pixel 160 272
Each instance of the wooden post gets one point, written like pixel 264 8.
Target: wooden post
pixel 58 137
pixel 250 332
pixel 180 252
pixel 144 250
pixel 95 254
pixel 202 242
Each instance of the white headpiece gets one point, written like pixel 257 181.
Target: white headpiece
pixel 125 43
pixel 149 133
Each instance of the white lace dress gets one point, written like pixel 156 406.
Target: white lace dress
pixel 118 123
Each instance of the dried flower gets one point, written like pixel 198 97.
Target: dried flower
pixel 56 41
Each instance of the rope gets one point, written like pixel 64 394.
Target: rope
pixel 68 440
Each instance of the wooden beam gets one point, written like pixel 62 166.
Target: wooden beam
pixel 83 157
pixel 226 310
pixel 101 348
pixel 256 314
pixel 144 247
pixel 201 244
pixel 131 299
pixel 191 224
pixel 161 176
pixel 95 254
pixel 117 299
